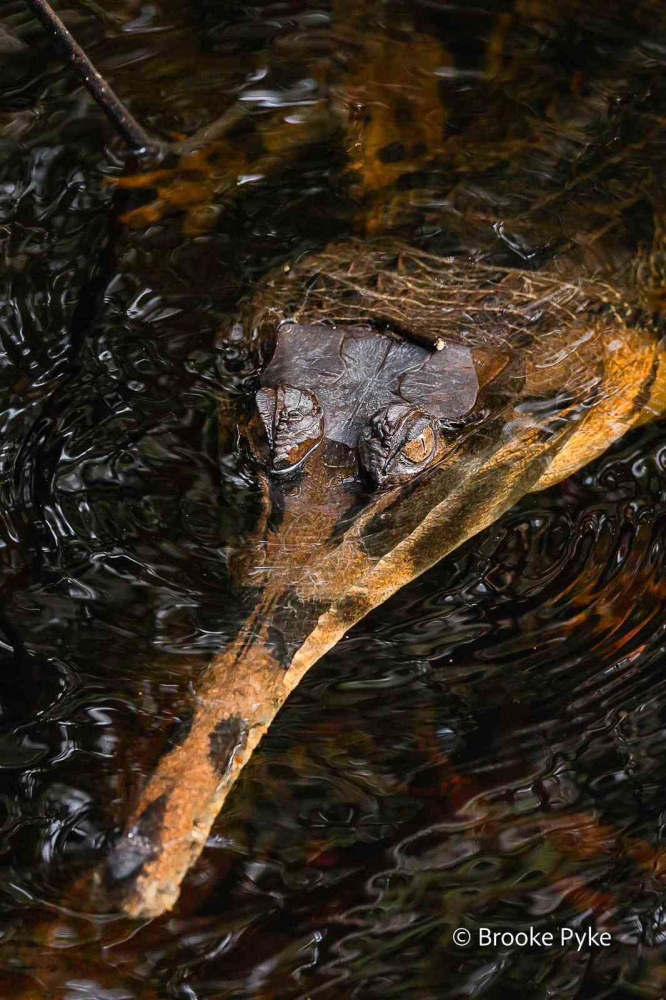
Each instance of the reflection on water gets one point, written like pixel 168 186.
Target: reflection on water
pixel 485 750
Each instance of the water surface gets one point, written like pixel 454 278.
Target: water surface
pixel 487 749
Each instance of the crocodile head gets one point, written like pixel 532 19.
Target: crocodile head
pixel 377 456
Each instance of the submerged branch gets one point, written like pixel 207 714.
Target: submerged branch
pixel 121 118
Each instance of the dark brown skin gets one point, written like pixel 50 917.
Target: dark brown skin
pixel 411 399
pixel 373 470
pixel 377 458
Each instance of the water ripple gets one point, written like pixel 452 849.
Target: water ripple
pixel 488 749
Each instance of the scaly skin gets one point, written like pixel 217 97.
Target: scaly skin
pixel 563 348
pixel 523 403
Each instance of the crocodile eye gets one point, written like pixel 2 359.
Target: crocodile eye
pixel 419 449
pixel 398 442
pixel 293 422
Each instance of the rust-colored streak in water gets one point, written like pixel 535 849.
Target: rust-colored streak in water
pixel 487 749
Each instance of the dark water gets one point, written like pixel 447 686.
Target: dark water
pixel 488 749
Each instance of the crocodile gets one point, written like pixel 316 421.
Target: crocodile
pixel 494 323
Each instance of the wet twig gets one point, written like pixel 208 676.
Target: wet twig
pixel 121 119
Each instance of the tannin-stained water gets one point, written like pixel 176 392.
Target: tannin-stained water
pixel 485 750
